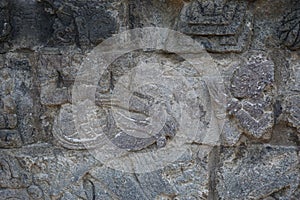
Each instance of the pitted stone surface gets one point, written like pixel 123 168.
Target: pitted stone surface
pixel 289 30
pixel 258 171
pixel 293 110
pixel 255 45
pixel 251 87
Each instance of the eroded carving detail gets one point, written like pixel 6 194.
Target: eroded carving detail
pixel 80 22
pixel 9 135
pixel 289 31
pixel 66 134
pixel 221 25
pixel 57 74
pixel 12 175
pixel 252 103
pixel 121 122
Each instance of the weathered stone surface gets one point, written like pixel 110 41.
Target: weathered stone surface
pixel 83 23
pixel 44 172
pixel 257 172
pixel 289 30
pixel 193 180
pixel 56 74
pixel 221 26
pixel 250 106
pixel 142 104
pixel 251 87
pixel 31 27
pixel 16 108
pixel 153 13
pixel 13 176
pixel 5 26
pixel 293 110
pixel 39 176
pixel 230 134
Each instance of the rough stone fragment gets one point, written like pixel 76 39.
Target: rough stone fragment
pixel 56 173
pixel 52 172
pixel 190 174
pixel 230 134
pixel 10 139
pixel 158 13
pixel 154 185
pixel 18 97
pixel 292 109
pixel 251 79
pixel 295 84
pixel 255 172
pixel 289 31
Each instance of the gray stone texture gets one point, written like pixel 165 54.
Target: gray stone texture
pixel 255 44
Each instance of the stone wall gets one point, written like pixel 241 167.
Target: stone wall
pixel 253 44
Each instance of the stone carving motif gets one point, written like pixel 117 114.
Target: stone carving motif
pixel 40 177
pixel 289 31
pixel 252 105
pixel 64 131
pixel 12 175
pixel 66 134
pixel 220 25
pixel 80 22
pixel 36 111
pixel 17 115
pixel 141 106
pixel 58 176
pixel 9 135
pixel 56 75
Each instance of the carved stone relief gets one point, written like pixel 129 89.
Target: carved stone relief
pixel 220 25
pixel 251 87
pixel 80 23
pixel 140 107
pixel 16 103
pixel 255 46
